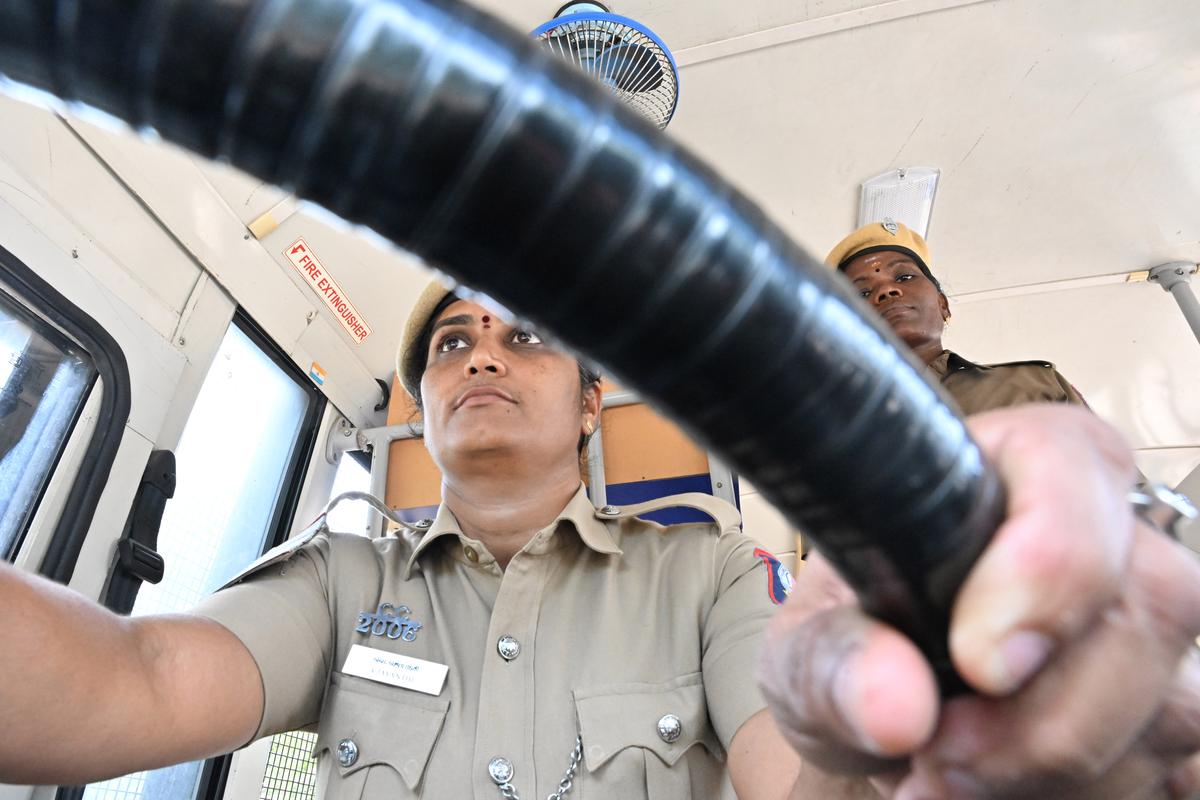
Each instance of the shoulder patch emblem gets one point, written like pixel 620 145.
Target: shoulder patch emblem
pixel 779 578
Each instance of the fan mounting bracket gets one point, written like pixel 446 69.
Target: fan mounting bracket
pixel 580 7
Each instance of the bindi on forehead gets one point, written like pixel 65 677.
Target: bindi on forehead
pixel 487 321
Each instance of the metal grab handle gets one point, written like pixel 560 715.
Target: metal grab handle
pixel 462 141
pixel 371 500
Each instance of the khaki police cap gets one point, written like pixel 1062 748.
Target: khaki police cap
pixel 410 364
pixel 877 236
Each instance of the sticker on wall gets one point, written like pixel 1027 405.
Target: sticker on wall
pixel 301 256
pixel 317 373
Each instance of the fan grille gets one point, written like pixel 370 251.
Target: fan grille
pixel 621 54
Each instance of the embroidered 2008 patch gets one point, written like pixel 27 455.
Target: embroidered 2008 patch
pixel 779 578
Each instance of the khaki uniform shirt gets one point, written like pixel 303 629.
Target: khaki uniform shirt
pixel 979 387
pixel 620 622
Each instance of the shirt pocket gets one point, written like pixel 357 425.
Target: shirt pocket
pixel 626 756
pixel 375 740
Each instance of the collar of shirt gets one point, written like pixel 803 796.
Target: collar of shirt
pixel 579 512
pixel 950 361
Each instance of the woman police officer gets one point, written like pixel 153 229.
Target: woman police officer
pixel 889 265
pixel 580 646
pixel 544 645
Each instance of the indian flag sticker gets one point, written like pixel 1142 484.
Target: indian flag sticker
pixel 317 373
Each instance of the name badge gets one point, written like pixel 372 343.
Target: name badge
pixel 395 670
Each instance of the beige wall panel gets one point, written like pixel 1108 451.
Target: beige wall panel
pixel 401 408
pixel 413 479
pixel 640 445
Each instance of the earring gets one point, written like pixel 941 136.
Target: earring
pixel 589 427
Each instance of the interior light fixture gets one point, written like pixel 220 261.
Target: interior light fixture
pixel 905 195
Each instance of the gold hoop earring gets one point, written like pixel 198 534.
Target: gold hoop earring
pixel 589 427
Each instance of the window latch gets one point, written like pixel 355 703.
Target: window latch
pixel 140 561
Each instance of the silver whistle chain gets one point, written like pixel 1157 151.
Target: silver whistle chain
pixel 509 792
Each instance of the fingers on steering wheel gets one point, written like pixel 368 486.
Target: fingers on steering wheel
pixel 1058 559
pixel 1175 733
pixel 849 694
pixel 1115 688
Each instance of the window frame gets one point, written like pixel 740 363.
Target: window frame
pixel 57 338
pixel 38 296
pixel 283 516
pixel 215 772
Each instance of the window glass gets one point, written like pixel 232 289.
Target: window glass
pixel 44 380
pixel 352 516
pixel 232 464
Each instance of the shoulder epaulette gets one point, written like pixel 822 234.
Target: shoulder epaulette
pixel 288 549
pixel 280 553
pixel 724 514
pixel 1033 363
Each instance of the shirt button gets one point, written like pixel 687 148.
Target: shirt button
pixel 347 752
pixel 501 770
pixel 472 554
pixel 669 728
pixel 509 648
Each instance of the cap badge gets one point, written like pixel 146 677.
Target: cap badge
pixel 890 226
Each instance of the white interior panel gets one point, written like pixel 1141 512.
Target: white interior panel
pixel 1064 130
pixel 380 280
pixel 47 153
pixel 1126 347
pixel 685 24
pixel 247 197
pixel 246 772
pixel 44 239
pixel 348 384
pixel 198 336
pixel 763 523
pixel 1169 465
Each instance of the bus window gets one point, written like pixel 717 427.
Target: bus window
pixel 240 463
pixel 44 380
pixel 291 769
